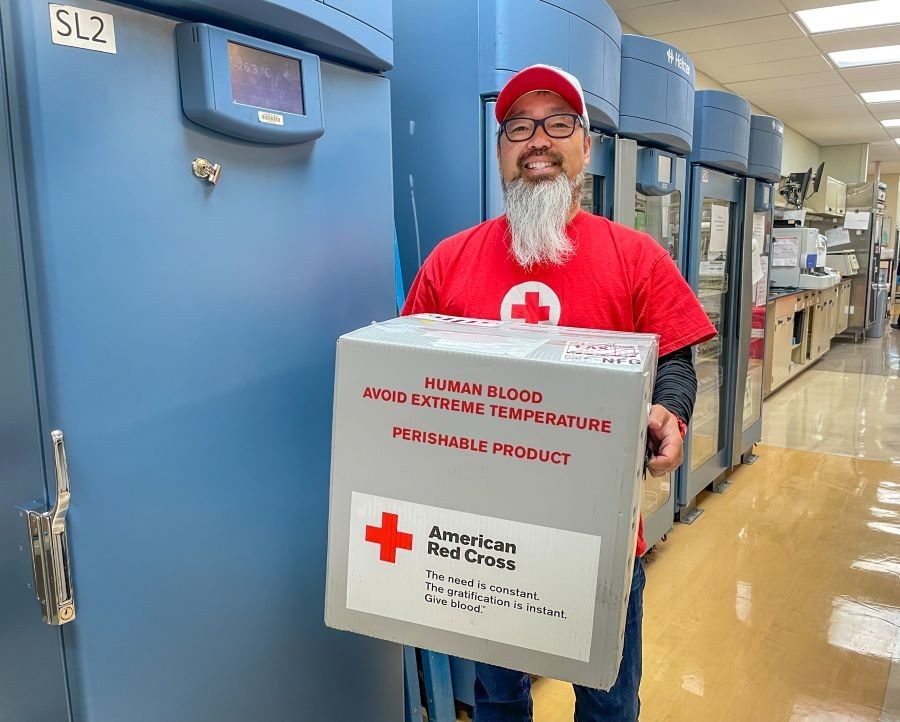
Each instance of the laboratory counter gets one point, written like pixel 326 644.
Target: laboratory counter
pixel 800 325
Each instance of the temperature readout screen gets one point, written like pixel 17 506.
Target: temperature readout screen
pixel 265 80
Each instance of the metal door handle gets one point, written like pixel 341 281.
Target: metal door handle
pixel 58 512
pixel 49 544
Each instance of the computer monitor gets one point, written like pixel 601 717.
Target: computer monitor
pixel 796 187
pixel 795 190
pixel 818 177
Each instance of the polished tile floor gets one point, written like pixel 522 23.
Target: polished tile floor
pixel 846 404
pixel 782 601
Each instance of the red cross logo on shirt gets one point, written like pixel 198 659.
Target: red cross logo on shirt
pixel 531 302
pixel 531 311
pixel 389 538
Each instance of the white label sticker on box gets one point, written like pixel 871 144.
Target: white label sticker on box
pixel 602 353
pixel 483 322
pixel 519 584
pixel 80 28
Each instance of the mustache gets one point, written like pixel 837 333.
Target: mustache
pixel 547 154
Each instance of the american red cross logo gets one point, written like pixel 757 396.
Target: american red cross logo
pixel 388 536
pixel 531 302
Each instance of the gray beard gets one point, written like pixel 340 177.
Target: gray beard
pixel 537 213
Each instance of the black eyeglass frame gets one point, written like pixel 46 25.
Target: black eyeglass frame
pixel 540 123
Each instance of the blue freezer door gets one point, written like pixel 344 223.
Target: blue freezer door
pixel 30 652
pixel 185 337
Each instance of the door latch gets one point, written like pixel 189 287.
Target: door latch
pixel 205 170
pixel 49 544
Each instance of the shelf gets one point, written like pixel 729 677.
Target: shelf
pixel 822 214
pixel 795 345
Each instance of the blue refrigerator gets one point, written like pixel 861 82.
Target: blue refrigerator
pixel 764 166
pixel 452 58
pixel 195 202
pixel 721 202
pixel 656 124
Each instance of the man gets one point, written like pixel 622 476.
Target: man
pixel 546 261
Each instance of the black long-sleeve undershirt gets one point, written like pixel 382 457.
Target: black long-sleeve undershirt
pixel 676 383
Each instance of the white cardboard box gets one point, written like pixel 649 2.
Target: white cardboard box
pixel 485 490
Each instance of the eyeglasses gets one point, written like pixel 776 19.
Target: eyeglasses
pixel 561 125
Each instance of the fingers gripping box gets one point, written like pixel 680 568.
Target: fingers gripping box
pixel 485 489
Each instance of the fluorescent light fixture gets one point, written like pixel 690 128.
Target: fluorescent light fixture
pixel 892 123
pixel 853 15
pixel 866 56
pixel 897 141
pixel 881 96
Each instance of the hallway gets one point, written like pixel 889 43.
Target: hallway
pixel 781 603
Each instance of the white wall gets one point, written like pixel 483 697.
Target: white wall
pixel 799 153
pixel 848 163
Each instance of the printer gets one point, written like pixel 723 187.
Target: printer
pixel 799 258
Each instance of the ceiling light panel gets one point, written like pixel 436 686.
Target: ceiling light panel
pixel 866 56
pixel 855 15
pixel 881 96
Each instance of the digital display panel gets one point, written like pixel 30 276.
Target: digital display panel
pixel 664 169
pixel 265 80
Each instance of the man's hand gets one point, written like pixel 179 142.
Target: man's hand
pixel 665 441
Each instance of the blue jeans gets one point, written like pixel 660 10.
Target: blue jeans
pixel 503 695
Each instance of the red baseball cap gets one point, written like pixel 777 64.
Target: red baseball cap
pixel 541 77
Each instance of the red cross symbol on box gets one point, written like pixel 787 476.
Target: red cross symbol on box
pixel 531 311
pixel 388 536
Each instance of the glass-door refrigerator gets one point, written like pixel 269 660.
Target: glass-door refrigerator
pixel 656 125
pixel 764 166
pixel 721 199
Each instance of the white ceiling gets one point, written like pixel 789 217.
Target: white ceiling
pixel 757 49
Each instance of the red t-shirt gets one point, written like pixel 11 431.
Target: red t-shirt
pixel 617 279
